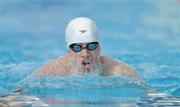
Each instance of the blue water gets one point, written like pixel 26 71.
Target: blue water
pixel 142 33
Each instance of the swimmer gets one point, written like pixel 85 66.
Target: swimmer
pixel 83 54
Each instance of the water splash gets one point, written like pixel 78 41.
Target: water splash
pixel 53 84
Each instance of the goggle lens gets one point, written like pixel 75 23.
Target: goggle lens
pixel 78 47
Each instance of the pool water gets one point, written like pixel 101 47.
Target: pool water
pixel 86 91
pixel 142 33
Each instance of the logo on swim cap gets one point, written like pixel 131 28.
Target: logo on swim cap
pixel 81 30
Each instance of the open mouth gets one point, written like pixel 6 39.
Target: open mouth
pixel 86 64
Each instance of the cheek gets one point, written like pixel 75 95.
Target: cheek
pixel 94 54
pixel 73 54
pixel 77 57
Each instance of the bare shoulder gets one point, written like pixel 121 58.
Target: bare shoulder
pixel 53 68
pixel 117 68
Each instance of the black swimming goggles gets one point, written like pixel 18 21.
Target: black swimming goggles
pixel 77 47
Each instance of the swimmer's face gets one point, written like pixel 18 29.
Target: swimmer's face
pixel 85 54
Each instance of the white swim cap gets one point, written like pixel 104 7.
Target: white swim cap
pixel 81 30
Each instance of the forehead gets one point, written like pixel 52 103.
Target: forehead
pixel 84 43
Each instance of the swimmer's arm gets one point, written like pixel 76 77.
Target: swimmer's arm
pixel 43 71
pixel 132 73
pixel 123 69
pixel 51 69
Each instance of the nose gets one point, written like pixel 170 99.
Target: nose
pixel 84 52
